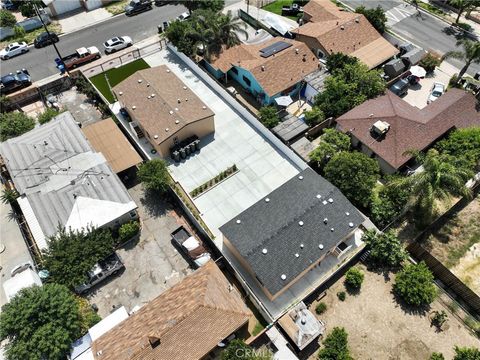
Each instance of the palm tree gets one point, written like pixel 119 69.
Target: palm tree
pixel 470 54
pixel 202 34
pixel 228 28
pixel 464 5
pixel 439 180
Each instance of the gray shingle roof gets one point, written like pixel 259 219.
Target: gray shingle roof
pixel 54 165
pixel 274 225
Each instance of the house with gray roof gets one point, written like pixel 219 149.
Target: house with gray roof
pixel 291 241
pixel 63 182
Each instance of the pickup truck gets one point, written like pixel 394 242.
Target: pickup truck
pixel 13 82
pixel 103 269
pixel 190 246
pixel 81 56
pixel 292 10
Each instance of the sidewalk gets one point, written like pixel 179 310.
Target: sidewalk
pixel 73 21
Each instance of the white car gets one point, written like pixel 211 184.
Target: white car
pixel 437 90
pixel 117 43
pixel 183 16
pixel 14 49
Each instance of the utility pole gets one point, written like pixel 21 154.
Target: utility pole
pixel 48 32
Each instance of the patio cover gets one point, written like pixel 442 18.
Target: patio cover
pixel 284 100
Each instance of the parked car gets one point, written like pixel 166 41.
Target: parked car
pixel 292 10
pixel 9 5
pixel 44 39
pixel 400 88
pixel 183 16
pixel 438 89
pixel 111 265
pixel 14 49
pixel 13 82
pixel 81 56
pixel 117 43
pixel 190 246
pixel 137 6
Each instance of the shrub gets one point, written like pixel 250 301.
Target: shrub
pixel 154 175
pixel 436 356
pixel 128 230
pixel 335 346
pixel 465 353
pixel 7 19
pixel 462 143
pixel 320 308
pixel 47 115
pixel 385 248
pixel 375 16
pixel 414 284
pixel 14 124
pixel 430 62
pixel 354 278
pixel 314 116
pixel 268 116
pixel 341 295
pixel 9 196
pixel 19 33
pixel 388 203
pixel 332 142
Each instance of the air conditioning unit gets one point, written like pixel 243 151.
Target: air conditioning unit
pixel 380 127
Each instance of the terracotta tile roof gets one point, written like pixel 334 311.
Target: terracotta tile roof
pixel 106 137
pixel 279 72
pixel 189 319
pixel 163 110
pixel 345 32
pixel 410 127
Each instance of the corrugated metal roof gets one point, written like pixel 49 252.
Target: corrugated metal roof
pixel 53 165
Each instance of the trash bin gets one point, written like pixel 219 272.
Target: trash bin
pixel 176 156
pixel 159 29
pixel 197 144
pixel 192 147
pixel 183 155
pixel 187 150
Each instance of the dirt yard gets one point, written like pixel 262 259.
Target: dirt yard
pixel 379 329
pixel 457 245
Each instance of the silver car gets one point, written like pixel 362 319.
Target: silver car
pixel 14 49
pixel 437 90
pixel 117 43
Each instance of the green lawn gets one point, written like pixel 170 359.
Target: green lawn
pixel 276 8
pixel 115 76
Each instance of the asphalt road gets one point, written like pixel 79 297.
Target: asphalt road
pixel 428 32
pixel 40 62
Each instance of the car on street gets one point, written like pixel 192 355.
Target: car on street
pixel 438 89
pixel 9 5
pixel 14 49
pixel 117 43
pixel 13 82
pixel 138 6
pixel 400 87
pixel 111 265
pixel 190 246
pixel 183 16
pixel 81 56
pixel 44 39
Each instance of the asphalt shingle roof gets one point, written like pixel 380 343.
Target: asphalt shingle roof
pixel 274 225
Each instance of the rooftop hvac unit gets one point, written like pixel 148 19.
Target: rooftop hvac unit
pixel 380 127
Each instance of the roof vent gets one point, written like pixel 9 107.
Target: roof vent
pixel 347 213
pixel 332 229
pixel 184 88
pixel 371 115
pixel 342 27
pixel 155 136
pixel 148 84
pixel 283 277
pixel 149 97
pixel 296 51
pixel 357 20
pixel 330 200
pixel 204 107
pixel 120 93
pixel 177 121
pixel 179 101
pixel 263 67
pixel 297 255
pixel 325 220
pixel 239 221
pixel 320 246
pixel 186 99
pixel 168 70
pixel 100 352
pixel 324 202
pixel 134 107
pixel 300 177
pixel 153 95
pixel 264 251
pixel 166 130
pixel 140 81
pixel 154 341
pixel 300 223
pixel 176 109
pixel 267 200
pixel 350 224
pixel 380 127
pixel 301 246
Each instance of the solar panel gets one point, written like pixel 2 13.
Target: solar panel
pixel 274 48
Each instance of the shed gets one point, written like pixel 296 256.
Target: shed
pixel 414 56
pixel 315 83
pixel 394 68
pixel 290 128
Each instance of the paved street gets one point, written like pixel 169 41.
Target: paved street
pixel 40 62
pixel 427 31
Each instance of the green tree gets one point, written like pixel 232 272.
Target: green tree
pixel 385 248
pixel 436 356
pixel 439 180
pixel 470 55
pixel 338 61
pixel 5 104
pixel 314 116
pixel 27 8
pixel 430 62
pixel 19 33
pixel 47 115
pixel 154 175
pixel 7 19
pixel 268 116
pixel 40 323
pixel 238 350
pixel 388 202
pixel 348 87
pixel 335 346
pixel 13 124
pixel 177 34
pixel 355 174
pixel 354 278
pixel 376 17
pixel 128 230
pixel 72 254
pixel 332 142
pixel 192 5
pixel 463 6
pixel 414 284
pixel 9 196
pixel 462 143
pixel 465 353
pixel 228 28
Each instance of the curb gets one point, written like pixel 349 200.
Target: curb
pixel 91 24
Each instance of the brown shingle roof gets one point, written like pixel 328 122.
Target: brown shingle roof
pixel 348 33
pixel 279 72
pixel 106 137
pixel 189 319
pixel 410 127
pixel 323 10
pixel 163 110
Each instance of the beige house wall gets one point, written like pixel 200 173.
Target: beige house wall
pixel 312 43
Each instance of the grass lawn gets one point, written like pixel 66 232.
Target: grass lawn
pixel 276 8
pixel 116 7
pixel 115 76
pixel 30 36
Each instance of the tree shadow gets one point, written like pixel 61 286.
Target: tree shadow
pixel 410 309
pixel 156 203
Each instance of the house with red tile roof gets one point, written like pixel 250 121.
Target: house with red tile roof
pixel 387 127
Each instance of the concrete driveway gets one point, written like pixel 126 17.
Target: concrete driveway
pixel 152 264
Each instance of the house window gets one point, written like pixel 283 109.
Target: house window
pixel 235 71
pixel 247 80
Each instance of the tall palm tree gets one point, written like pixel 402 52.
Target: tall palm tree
pixel 202 34
pixel 470 54
pixel 439 180
pixel 228 28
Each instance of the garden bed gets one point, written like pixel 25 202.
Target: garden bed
pixel 210 184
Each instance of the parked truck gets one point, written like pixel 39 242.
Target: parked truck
pixel 190 246
pixel 111 265
pixel 81 56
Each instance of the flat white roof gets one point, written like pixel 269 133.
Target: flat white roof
pixel 21 281
pixel 108 323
